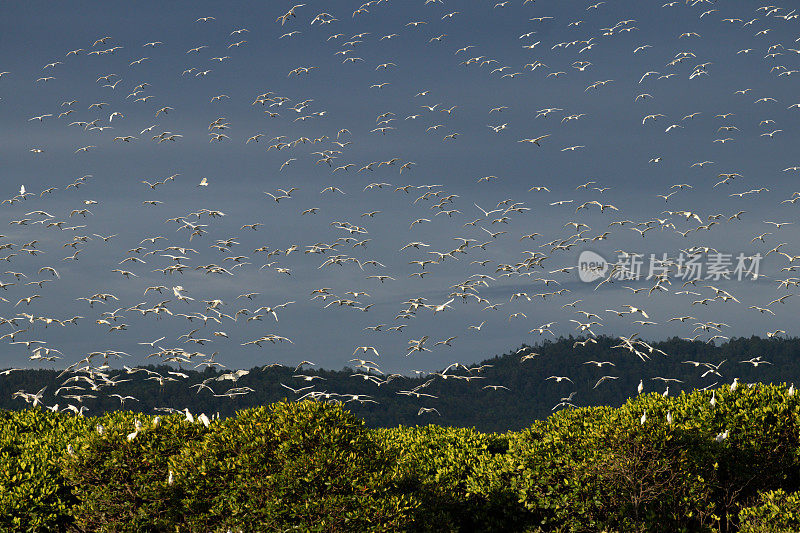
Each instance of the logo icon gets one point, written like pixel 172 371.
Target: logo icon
pixel 591 266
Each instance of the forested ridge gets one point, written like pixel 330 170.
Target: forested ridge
pixel 460 403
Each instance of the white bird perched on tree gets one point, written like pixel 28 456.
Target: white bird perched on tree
pixel 137 427
pixel 644 418
pixel 722 436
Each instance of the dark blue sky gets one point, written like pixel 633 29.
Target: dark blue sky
pixel 616 150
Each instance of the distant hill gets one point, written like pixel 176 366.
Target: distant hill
pixel 461 402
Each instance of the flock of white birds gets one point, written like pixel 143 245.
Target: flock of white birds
pixel 394 252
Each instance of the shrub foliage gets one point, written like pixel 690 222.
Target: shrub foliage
pixel 711 461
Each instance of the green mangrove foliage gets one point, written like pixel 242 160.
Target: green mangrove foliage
pixel 717 461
